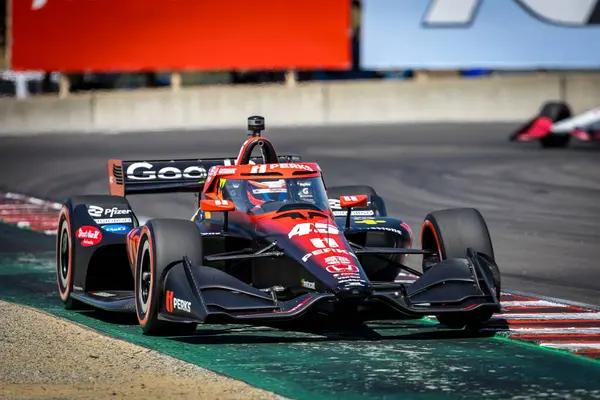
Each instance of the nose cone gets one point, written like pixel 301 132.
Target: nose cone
pixel 320 246
pixel 352 292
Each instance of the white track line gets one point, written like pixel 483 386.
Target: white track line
pixel 572 346
pixel 547 331
pixel 536 303
pixel 548 317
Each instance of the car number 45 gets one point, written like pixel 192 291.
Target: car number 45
pixel 308 228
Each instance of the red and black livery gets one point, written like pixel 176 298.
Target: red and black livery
pixel 265 245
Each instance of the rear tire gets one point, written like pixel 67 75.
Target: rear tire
pixel 64 260
pixel 556 111
pixel 450 233
pixel 553 141
pixel 162 242
pixel 65 244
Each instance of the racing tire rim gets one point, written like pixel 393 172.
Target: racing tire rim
pixel 144 281
pixel 63 265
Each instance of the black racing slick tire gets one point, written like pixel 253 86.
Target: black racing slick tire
pixel 162 242
pixel 450 233
pixel 555 141
pixel 64 260
pixel 65 244
pixel 556 111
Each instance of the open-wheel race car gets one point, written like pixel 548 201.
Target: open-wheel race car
pixel 556 124
pixel 268 242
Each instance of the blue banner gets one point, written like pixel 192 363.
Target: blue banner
pixel 460 34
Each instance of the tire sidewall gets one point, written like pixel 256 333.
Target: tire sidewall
pixel 146 251
pixel 64 283
pixel 448 248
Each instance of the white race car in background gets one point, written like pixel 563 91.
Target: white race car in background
pixel 555 124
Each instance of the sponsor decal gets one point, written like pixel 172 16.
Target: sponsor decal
pixel 355 284
pixel 371 221
pixel 336 269
pixel 308 228
pixel 325 251
pixel 383 228
pixel 173 303
pixel 111 212
pixel 103 294
pixel 323 243
pixel 89 235
pixel 350 198
pixel 96 211
pixel 291 166
pixel 227 171
pixel 116 228
pixel 142 171
pixel 308 284
pixel 259 169
pixel 347 275
pixel 337 260
pixel 354 212
pixel 268 190
pixel 113 221
pixel 273 289
pixel 212 171
pixel 335 203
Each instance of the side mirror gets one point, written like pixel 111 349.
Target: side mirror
pixel 359 200
pixel 217 205
pixel 223 206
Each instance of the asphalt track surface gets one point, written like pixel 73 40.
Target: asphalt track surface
pixel 542 206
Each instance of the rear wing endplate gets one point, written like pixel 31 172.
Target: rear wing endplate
pixel 168 176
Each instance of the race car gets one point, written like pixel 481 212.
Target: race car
pixel 555 125
pixel 265 246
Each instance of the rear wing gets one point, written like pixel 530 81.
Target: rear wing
pixel 168 176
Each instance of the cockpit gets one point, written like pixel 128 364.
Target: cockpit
pixel 258 196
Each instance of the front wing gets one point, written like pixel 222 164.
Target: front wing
pixel 207 295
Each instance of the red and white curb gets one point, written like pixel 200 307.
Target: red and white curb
pixel 549 323
pixel 29 212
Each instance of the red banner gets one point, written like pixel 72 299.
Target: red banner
pixel 150 35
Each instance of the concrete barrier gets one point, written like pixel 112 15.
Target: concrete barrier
pixel 498 98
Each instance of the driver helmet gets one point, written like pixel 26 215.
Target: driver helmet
pixel 260 192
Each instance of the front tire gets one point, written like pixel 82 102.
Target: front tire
pixel 162 242
pixel 450 233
